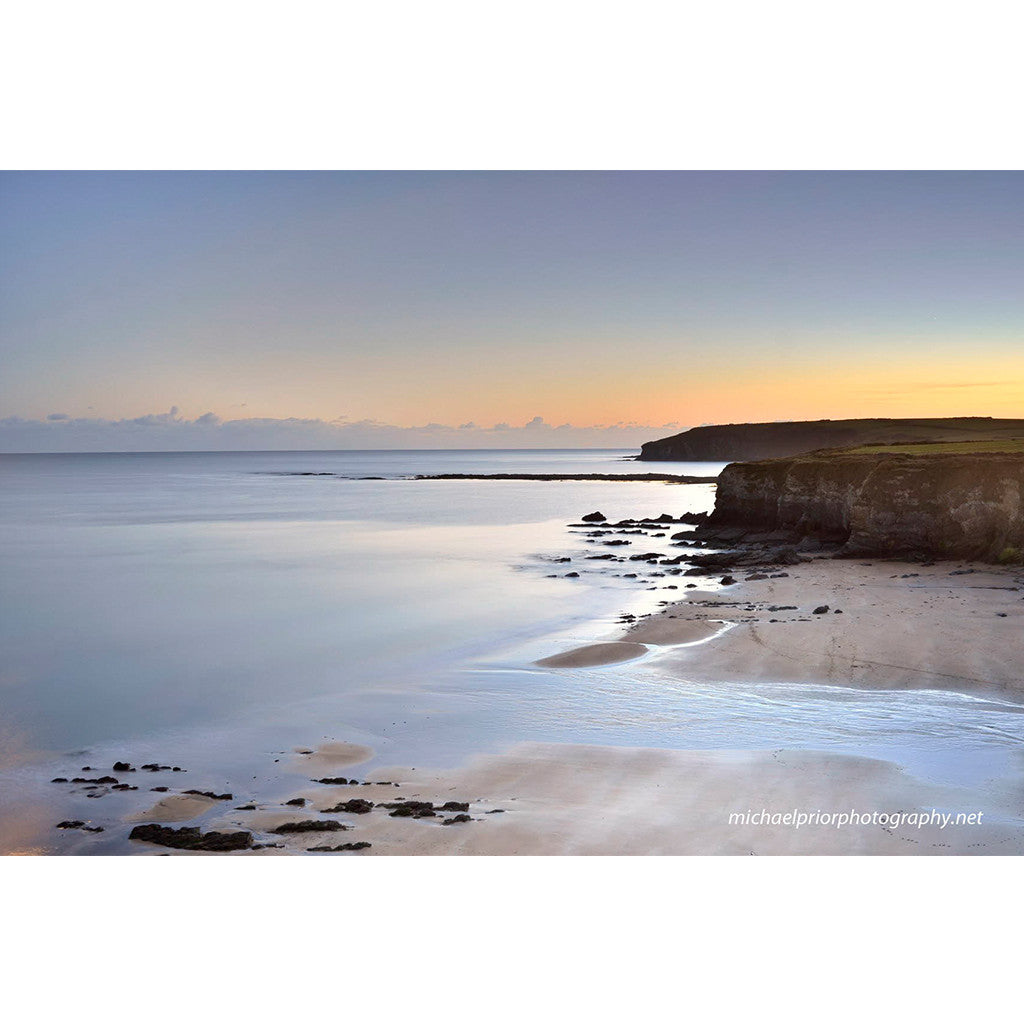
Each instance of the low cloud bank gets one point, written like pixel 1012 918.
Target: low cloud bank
pixel 171 431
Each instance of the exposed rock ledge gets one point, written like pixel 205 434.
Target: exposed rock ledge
pixel 879 504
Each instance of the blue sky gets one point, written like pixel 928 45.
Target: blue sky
pixel 592 298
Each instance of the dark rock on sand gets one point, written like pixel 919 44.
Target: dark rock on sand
pixel 191 838
pixel 208 793
pixel 339 781
pixel 310 826
pixel 353 806
pixel 80 825
pixel 454 805
pixel 457 820
pixel 340 848
pixel 58 779
pixel 727 581
pixel 822 609
pixel 594 517
pixel 122 766
pixel 412 809
pixel 297 802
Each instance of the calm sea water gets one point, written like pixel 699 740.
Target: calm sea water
pixel 216 609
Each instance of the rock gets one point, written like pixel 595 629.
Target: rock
pixel 929 506
pixel 838 611
pixel 245 807
pixel 339 781
pixel 309 826
pixel 822 609
pixel 457 820
pixel 207 793
pixel 70 824
pixel 339 848
pixel 497 810
pixel 572 575
pixel 191 838
pixel 727 581
pixel 755 576
pixel 411 809
pixel 59 779
pixel 454 805
pixel 158 789
pixel 297 802
pixel 353 806
pixel 122 766
pixel 594 517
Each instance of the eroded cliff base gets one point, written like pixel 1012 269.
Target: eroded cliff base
pixel 926 506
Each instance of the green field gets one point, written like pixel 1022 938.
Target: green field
pixel 1011 445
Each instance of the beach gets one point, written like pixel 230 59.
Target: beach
pixel 899 626
pixel 889 625
pixel 615 706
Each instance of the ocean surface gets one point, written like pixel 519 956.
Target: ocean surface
pixel 220 609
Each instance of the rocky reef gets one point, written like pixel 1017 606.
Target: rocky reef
pixel 968 506
pixel 732 441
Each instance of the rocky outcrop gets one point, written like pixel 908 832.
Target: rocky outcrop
pixel 735 441
pixel 881 504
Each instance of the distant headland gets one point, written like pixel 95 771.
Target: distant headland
pixel 732 442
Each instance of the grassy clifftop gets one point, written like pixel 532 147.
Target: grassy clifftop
pixel 742 441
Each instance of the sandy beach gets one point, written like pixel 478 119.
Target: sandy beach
pixel 556 799
pixel 888 625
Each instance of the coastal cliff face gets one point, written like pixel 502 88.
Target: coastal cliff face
pixel 941 506
pixel 734 441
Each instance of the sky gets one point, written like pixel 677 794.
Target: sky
pixel 498 309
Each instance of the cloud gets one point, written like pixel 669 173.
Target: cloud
pixel 170 431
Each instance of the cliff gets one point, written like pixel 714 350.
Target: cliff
pixel 736 441
pixel 967 506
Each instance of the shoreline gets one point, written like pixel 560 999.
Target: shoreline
pixel 583 799
pixel 580 798
pixel 888 626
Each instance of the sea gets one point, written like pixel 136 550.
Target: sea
pixel 218 611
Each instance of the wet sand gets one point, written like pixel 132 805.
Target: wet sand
pixel 899 626
pixel 611 653
pixel 558 799
pixel 176 807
